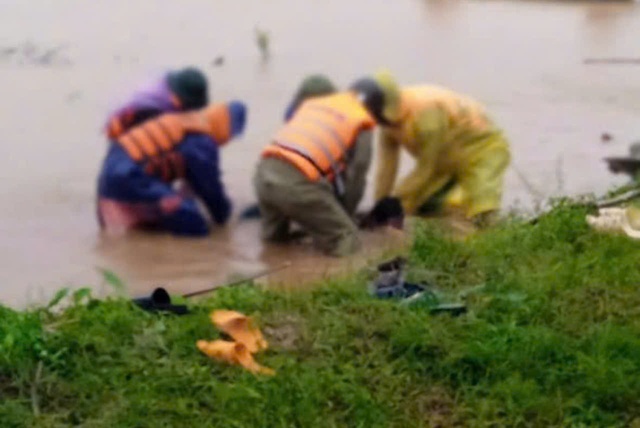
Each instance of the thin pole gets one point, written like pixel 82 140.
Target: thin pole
pixel 238 282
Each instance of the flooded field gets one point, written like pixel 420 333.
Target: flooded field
pixel 64 63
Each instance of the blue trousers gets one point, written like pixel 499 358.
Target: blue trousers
pixel 129 198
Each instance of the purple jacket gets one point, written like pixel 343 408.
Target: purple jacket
pixel 152 99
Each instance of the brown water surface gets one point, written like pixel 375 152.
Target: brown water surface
pixel 524 60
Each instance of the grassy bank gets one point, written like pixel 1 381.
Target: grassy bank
pixel 552 339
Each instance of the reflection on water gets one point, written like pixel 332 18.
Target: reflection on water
pixel 522 59
pixel 442 12
pixel 602 22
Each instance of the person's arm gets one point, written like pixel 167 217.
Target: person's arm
pixel 431 130
pixel 203 174
pixel 355 176
pixel 291 109
pixel 121 123
pixel 388 161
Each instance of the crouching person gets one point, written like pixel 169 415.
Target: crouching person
pixel 137 184
pixel 314 170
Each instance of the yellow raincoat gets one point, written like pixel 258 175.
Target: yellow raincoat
pixel 454 144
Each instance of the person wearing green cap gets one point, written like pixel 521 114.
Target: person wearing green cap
pixel 461 155
pixel 178 90
pixel 313 172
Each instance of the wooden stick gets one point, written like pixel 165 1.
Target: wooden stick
pixel 238 282
pixel 35 399
pixel 625 197
pixel 603 203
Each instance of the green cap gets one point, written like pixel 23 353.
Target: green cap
pixel 190 86
pixel 314 85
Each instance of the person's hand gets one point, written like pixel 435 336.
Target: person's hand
pixel 386 212
pixel 485 219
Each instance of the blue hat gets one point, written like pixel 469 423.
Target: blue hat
pixel 238 117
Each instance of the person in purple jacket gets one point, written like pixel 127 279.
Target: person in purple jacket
pixel 136 187
pixel 178 90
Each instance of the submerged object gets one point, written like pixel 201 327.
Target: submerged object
pixel 387 212
pixel 629 165
pixel 251 212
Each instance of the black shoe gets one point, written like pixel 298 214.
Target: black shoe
pixel 251 212
pixel 160 301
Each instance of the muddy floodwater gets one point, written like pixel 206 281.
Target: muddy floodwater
pixel 63 63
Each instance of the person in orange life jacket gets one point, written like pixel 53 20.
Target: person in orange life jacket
pixel 387 211
pixel 314 85
pixel 314 170
pixel 174 91
pixel 135 186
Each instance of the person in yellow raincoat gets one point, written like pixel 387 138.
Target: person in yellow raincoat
pixel 461 156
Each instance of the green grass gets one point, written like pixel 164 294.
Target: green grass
pixel 552 339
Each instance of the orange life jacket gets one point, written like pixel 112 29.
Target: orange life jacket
pixel 123 122
pixel 160 136
pixel 317 139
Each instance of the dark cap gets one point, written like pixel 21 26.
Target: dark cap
pixel 372 97
pixel 190 86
